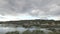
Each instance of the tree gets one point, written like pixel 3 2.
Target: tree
pixel 27 32
pixel 38 32
pixel 16 32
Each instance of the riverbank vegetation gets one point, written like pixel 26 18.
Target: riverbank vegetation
pixel 14 32
pixel 34 32
pixel 27 32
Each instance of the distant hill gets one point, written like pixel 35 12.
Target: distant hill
pixel 28 21
pixel 36 22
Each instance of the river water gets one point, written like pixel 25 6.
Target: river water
pixel 4 28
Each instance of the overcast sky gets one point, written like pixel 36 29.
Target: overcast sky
pixel 29 9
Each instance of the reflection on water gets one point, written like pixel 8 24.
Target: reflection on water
pixel 4 28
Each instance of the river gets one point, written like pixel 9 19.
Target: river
pixel 4 28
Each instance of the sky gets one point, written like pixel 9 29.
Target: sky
pixel 29 9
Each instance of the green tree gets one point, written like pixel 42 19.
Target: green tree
pixel 27 32
pixel 16 32
pixel 38 32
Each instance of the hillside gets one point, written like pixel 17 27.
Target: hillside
pixel 37 22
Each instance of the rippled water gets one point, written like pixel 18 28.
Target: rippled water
pixel 4 28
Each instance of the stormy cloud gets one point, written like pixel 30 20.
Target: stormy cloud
pixel 38 8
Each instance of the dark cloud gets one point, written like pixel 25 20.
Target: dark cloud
pixel 46 7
